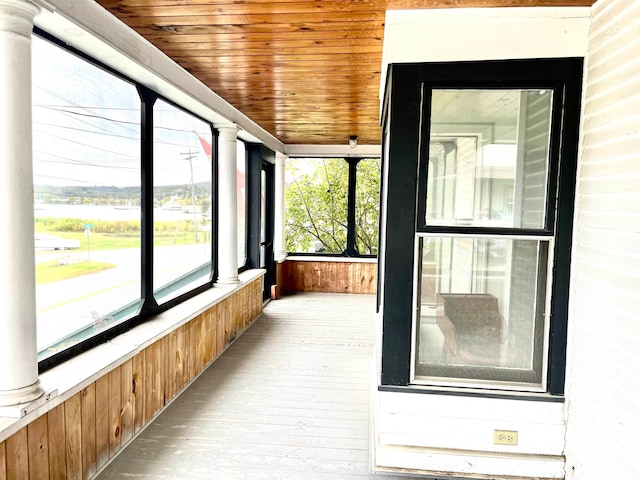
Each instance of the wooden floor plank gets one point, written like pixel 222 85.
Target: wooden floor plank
pixel 288 400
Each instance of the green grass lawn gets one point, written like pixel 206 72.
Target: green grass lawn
pixel 101 241
pixel 52 271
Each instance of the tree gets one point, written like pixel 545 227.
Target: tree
pixel 316 205
pixel 367 205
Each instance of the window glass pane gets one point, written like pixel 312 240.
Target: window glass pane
pixel 86 144
pixel 367 205
pixel 182 198
pixel 316 205
pixel 481 308
pixel 242 203
pixel 488 157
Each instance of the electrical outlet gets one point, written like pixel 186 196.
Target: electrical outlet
pixel 505 437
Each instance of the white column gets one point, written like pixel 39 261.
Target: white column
pixel 279 250
pixel 18 348
pixel 227 204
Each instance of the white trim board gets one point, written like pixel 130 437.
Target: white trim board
pixel 467 34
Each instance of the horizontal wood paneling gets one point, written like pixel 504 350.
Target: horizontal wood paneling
pixel 76 438
pixel 328 276
pixel 262 56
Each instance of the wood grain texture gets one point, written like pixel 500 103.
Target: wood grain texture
pixel 88 405
pixel 306 71
pixel 170 380
pixel 138 391
pixel 127 401
pixel 288 400
pixel 17 453
pixel 328 277
pixel 38 444
pixel 102 420
pixel 76 438
pixel 57 442
pixel 3 461
pixel 73 432
pixel 149 369
pixel 115 427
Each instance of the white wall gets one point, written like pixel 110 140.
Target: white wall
pixel 603 437
pixel 458 34
pixel 433 433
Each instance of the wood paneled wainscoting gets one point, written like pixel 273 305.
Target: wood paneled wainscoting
pixel 327 275
pixel 77 433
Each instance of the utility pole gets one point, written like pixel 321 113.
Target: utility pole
pixel 190 156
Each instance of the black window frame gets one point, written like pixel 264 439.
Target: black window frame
pixel 402 116
pixel 149 307
pixel 350 248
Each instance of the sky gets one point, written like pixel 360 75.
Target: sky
pixel 86 128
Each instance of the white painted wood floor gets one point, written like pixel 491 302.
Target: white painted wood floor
pixel 288 400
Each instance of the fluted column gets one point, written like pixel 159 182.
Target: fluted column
pixel 279 250
pixel 227 204
pixel 18 342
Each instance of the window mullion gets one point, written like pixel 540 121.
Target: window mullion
pixel 148 99
pixel 351 249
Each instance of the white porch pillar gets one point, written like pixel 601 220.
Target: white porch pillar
pixel 279 250
pixel 228 204
pixel 18 348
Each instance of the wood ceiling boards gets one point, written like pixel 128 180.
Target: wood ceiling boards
pixel 307 71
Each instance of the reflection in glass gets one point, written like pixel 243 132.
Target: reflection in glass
pixel 182 197
pixel 488 156
pixel 86 151
pixel 241 194
pixel 480 313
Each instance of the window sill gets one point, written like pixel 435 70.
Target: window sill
pixel 473 392
pixel 62 382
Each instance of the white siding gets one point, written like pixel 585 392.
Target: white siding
pixel 603 435
pixel 441 434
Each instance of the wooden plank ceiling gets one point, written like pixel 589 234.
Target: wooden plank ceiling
pixel 307 71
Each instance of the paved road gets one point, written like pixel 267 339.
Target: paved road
pixel 67 306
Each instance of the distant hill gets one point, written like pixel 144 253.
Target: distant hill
pixel 110 195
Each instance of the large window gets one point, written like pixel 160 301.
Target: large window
pixel 124 202
pixel 482 291
pixel 86 141
pixel 241 195
pixel 182 176
pixel 483 238
pixel 332 206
